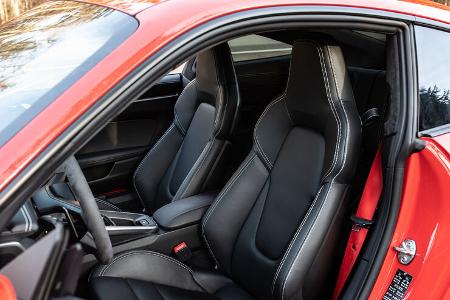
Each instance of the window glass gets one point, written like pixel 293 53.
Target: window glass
pixel 47 49
pixel 178 69
pixel 433 55
pixel 254 46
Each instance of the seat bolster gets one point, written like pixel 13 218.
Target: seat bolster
pixel 151 267
pixel 154 165
pixel 271 129
pixel 207 171
pixel 308 249
pixel 225 217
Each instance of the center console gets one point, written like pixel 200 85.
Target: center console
pixel 170 225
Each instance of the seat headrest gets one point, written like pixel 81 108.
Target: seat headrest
pixel 213 69
pixel 318 97
pixel 317 78
pixel 215 84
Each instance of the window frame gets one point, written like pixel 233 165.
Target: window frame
pixel 437 130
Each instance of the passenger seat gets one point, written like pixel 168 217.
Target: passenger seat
pixel 189 157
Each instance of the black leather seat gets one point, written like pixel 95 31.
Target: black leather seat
pixel 189 158
pixel 272 229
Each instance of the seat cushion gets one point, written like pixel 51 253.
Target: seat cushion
pixel 151 275
pixel 149 266
pixel 111 288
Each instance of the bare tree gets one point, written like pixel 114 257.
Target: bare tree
pixel 12 8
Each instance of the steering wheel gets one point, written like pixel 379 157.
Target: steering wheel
pixel 89 210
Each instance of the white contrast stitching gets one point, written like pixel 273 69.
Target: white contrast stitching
pixel 258 145
pixel 177 120
pixel 188 180
pixel 143 252
pixel 238 174
pixel 333 109
pixel 346 122
pixel 332 181
pixel 295 237
pixel 145 157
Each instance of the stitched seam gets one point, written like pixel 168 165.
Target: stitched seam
pixel 138 169
pixel 183 131
pixel 346 122
pixel 295 237
pixel 332 181
pixel 333 109
pixel 120 257
pixel 183 187
pixel 334 72
pixel 188 180
pixel 325 77
pixel 243 167
pixel 224 112
pixel 304 243
pixel 287 110
pixel 258 145
pixel 218 86
pixel 327 87
pixel 178 123
pixel 217 161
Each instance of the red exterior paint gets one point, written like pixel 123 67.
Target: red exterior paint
pixel 130 7
pixel 7 291
pixel 421 8
pixel 424 217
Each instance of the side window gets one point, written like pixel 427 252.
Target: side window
pixel 433 56
pixel 178 69
pixel 250 47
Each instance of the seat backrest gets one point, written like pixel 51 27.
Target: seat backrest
pixel 189 156
pixel 277 215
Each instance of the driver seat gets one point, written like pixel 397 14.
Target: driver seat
pixel 273 228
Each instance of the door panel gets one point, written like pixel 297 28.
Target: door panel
pixel 425 218
pixel 110 158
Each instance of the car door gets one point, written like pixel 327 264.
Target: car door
pixel 424 217
pixel 109 159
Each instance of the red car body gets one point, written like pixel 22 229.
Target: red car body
pixel 425 209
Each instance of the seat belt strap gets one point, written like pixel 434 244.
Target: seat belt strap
pixel 361 221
